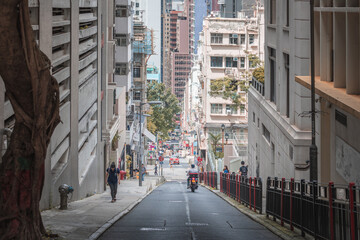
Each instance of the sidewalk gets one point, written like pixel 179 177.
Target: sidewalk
pixel 88 218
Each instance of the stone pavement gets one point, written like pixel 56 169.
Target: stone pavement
pixel 88 218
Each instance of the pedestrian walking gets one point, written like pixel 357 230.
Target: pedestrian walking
pixel 143 171
pixel 243 170
pixel 113 179
pixel 156 169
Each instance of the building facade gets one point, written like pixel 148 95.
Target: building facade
pixel 69 33
pixel 279 124
pixel 226 45
pixel 337 84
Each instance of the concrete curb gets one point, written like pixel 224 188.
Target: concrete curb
pixel 109 223
pixel 273 226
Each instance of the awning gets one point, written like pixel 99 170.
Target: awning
pixel 149 135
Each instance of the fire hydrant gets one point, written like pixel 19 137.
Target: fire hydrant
pixel 64 190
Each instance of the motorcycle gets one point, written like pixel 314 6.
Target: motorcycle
pixel 193 181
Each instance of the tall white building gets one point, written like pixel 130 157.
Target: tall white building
pixel 226 45
pixel 279 126
pixel 69 33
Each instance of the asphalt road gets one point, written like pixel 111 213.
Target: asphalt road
pixel 173 212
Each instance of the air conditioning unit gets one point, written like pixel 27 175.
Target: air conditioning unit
pixel 228 112
pixel 235 59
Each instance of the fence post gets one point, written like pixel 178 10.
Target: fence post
pixel 275 188
pixel 351 206
pixel 250 184
pixel 254 194
pixel 331 203
pixel 261 198
pixel 314 188
pixel 302 189
pixel 267 199
pixel 291 203
pixel 282 201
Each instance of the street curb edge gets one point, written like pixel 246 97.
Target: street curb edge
pixel 109 223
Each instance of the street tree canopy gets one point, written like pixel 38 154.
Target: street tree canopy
pixel 162 119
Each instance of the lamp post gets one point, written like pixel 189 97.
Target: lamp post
pixel 226 138
pixel 223 131
pixel 140 141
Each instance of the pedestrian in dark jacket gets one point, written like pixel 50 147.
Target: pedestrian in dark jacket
pixel 243 169
pixel 113 179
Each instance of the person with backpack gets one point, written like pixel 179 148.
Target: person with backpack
pixel 243 169
pixel 113 179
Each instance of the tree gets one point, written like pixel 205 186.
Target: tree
pixel 34 95
pixel 162 117
pixel 228 87
pixel 214 139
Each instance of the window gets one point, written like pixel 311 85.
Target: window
pixel 231 109
pixel 254 117
pixel 136 72
pixel 137 5
pixel 120 69
pixel 251 38
pixel 137 95
pixel 242 109
pixel 272 19
pixel 287 76
pixel 137 13
pixel 251 63
pixel 121 11
pixel 233 39
pixel 231 62
pixel 216 108
pixel 121 39
pixel 216 38
pixel 266 133
pixel 272 57
pixel 242 62
pixel 216 62
pixel 242 38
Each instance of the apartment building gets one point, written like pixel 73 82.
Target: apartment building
pixel 226 45
pixel 279 123
pixel 68 32
pixel 337 84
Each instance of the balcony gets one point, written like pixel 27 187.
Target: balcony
pixel 257 85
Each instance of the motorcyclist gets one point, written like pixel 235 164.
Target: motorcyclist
pixel 191 170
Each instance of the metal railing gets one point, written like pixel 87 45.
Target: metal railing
pixel 209 179
pixel 258 86
pixel 323 211
pixel 247 191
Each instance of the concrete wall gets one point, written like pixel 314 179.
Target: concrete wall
pixel 288 146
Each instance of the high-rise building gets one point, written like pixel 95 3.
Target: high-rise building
pixel 279 126
pixel 227 45
pixel 69 33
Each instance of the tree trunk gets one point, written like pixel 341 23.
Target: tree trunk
pixel 34 96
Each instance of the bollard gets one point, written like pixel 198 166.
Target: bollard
pixel 64 190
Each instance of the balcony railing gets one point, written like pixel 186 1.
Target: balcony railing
pixel 257 85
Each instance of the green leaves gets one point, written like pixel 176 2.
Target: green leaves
pixel 162 118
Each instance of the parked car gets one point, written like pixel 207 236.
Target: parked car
pixel 174 160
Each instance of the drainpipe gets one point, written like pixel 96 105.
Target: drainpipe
pixel 313 147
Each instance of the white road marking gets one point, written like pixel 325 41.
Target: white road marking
pixel 196 224
pixel 193 237
pixel 152 229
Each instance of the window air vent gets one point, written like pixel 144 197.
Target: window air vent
pixel 341 118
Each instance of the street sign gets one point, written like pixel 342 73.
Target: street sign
pixel 199 159
pixel 161 158
pixel 161 162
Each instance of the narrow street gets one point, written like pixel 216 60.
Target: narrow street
pixel 174 212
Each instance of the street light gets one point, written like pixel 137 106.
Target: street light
pixel 223 130
pixel 140 135
pixel 226 138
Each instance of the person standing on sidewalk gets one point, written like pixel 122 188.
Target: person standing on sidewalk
pixel 113 180
pixel 143 171
pixel 243 169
